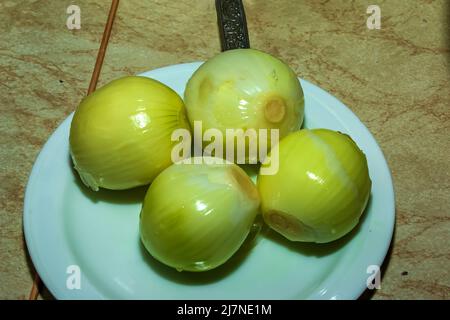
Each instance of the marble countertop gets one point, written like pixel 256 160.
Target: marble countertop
pixel 395 79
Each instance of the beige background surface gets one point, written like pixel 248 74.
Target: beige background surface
pixel 395 79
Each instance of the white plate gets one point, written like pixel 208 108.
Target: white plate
pixel 65 224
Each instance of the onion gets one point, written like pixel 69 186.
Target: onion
pixel 196 216
pixel 120 136
pixel 245 89
pixel 321 188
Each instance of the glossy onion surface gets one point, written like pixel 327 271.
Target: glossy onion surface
pixel 120 136
pixel 321 188
pixel 196 216
pixel 244 89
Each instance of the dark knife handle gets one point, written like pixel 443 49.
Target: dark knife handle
pixel 232 24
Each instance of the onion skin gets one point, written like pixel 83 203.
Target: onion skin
pixel 120 136
pixel 196 216
pixel 245 89
pixel 321 188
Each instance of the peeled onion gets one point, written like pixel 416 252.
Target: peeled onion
pixel 321 188
pixel 245 89
pixel 196 216
pixel 120 136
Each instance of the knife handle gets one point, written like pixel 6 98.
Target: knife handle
pixel 232 24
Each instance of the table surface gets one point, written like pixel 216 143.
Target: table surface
pixel 395 79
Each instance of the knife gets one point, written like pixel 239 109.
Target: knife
pixel 232 24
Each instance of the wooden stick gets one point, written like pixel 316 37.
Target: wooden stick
pixel 35 288
pixel 103 45
pixel 92 86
